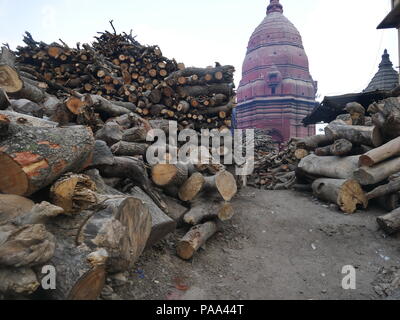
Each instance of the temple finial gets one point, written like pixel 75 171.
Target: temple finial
pixel 274 6
pixel 386 59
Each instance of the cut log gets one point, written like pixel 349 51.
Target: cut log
pixel 164 175
pixel 103 105
pixel 27 107
pixel 129 149
pixel 357 113
pixel 205 210
pixel 370 136
pixel 390 223
pixel 17 282
pixel 137 134
pixel 331 167
pixel 122 226
pixel 25 246
pixel 102 155
pixel 134 169
pixel 81 274
pixel 374 175
pixel 347 194
pixel 26 120
pixel 162 225
pixel 111 134
pixel 195 239
pixel 32 158
pixel 176 211
pixel 387 189
pixel 301 153
pixel 74 193
pixel 389 202
pixel 313 142
pixel 375 156
pixel 223 182
pixel 341 147
pixel 192 187
pixel 12 206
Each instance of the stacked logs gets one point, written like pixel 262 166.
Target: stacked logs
pixel 275 169
pixel 77 191
pixel 129 77
pixel 357 161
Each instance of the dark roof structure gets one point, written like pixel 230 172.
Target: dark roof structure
pixel 386 78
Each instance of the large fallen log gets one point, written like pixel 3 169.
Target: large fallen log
pixel 380 154
pixel 122 226
pixel 370 136
pixel 32 158
pixel 26 120
pixel 347 194
pixel 195 239
pixel 331 167
pixel 373 175
pixel 162 225
pixel 390 223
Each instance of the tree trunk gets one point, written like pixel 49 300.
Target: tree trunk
pixel 162 224
pixel 347 194
pixel 26 120
pixel 331 167
pixel 195 239
pixel 111 134
pixel 313 142
pixel 370 136
pixel 176 211
pixel 165 175
pixel 387 189
pixel 32 158
pixel 203 210
pixel 122 226
pixel 129 149
pixel 369 176
pixel 380 154
pixel 390 223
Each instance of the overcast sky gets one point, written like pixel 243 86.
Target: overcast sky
pixel 340 37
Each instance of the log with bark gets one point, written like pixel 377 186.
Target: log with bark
pixel 375 156
pixel 330 167
pixel 31 158
pixel 373 175
pixel 195 239
pixel 390 223
pixel 370 136
pixel 347 194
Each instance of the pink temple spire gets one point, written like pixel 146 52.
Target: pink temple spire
pixel 274 6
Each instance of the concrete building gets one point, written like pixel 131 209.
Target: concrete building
pixel 392 20
pixel 276 91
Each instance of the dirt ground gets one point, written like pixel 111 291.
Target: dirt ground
pixel 279 245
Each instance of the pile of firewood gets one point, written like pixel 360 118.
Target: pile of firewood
pixel 274 169
pixel 357 161
pixel 119 72
pixel 77 191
